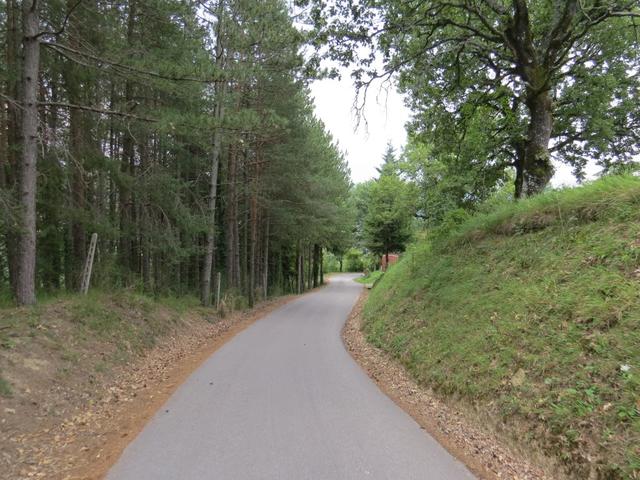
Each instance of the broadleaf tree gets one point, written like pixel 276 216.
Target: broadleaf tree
pixel 536 80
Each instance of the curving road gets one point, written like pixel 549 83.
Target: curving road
pixel 284 400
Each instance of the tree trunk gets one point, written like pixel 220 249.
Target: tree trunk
pixel 537 167
pixel 265 273
pixel 519 166
pixel 126 163
pixel 309 267
pixel 244 246
pixel 77 133
pixel 145 219
pixel 205 291
pixel 78 194
pixel 26 282
pixel 316 266
pixel 253 244
pixel 13 129
pixel 299 268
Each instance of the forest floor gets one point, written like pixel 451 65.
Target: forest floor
pixel 79 377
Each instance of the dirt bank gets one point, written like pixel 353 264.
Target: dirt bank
pixel 67 419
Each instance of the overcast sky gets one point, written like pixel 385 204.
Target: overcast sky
pixel 386 116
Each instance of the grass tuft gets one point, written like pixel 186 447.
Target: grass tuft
pixel 5 388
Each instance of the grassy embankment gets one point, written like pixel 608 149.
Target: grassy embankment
pixel 71 335
pixel 531 312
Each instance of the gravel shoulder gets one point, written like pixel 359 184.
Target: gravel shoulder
pixel 456 428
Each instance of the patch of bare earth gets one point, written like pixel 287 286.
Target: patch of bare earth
pixel 464 433
pixel 78 430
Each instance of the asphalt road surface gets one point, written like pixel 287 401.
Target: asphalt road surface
pixel 284 400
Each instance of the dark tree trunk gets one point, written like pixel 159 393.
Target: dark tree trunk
pixel 309 267
pixel 77 133
pixel 14 121
pixel 26 281
pixel 316 266
pixel 537 167
pixel 145 220
pixel 244 245
pixel 126 164
pixel 265 273
pixel 253 245
pixel 300 269
pixel 231 230
pixel 78 194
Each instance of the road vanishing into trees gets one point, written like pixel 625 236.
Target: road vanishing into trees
pixel 284 400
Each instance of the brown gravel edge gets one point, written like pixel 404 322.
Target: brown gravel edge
pixel 130 421
pixel 480 450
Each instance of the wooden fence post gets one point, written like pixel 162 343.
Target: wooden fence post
pixel 88 265
pixel 218 281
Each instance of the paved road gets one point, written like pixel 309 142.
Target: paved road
pixel 284 400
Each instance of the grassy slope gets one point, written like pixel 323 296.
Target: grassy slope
pixel 530 311
pixel 371 277
pixel 76 336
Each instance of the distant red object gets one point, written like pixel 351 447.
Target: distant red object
pixel 393 258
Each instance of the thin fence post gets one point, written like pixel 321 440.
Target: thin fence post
pixel 218 281
pixel 88 265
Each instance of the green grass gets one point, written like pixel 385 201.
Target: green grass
pixel 549 286
pixel 371 277
pixel 5 388
pixel 126 321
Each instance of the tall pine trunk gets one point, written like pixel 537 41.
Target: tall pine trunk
pixel 205 291
pixel 231 214
pixel 13 122
pixel 253 246
pixel 265 272
pixel 127 163
pixel 316 266
pixel 26 268
pixel 78 130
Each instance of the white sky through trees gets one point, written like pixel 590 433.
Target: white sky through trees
pixel 384 121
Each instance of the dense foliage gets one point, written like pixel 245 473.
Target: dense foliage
pixel 180 132
pixel 500 86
